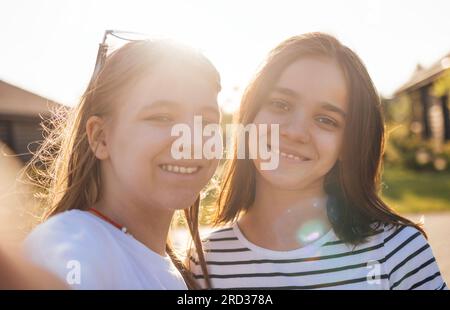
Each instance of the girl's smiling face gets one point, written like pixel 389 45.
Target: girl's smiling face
pixel 309 102
pixel 138 164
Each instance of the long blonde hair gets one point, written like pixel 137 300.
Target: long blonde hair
pixel 65 168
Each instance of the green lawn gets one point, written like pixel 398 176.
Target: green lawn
pixel 409 191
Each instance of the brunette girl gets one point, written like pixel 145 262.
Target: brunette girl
pixel 317 220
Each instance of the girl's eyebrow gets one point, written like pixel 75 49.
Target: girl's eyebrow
pixel 333 108
pixel 287 91
pixel 161 103
pixel 170 105
pixel 176 105
pixel 324 105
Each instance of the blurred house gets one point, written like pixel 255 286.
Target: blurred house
pixel 20 117
pixel 425 100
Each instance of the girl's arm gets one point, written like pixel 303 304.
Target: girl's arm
pixel 17 273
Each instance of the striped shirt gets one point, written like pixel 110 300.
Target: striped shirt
pixel 393 258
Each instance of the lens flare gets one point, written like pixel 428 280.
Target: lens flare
pixel 311 231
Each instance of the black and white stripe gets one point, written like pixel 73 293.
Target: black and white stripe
pixel 392 258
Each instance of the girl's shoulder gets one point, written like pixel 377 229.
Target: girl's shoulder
pixel 403 241
pixel 222 237
pixel 391 234
pixel 71 226
pixel 408 259
pixel 394 239
pixel 70 241
pixel 222 234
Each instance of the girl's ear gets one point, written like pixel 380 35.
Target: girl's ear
pixel 95 131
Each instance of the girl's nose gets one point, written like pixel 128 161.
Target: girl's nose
pixel 296 130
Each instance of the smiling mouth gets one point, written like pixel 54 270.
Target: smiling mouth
pixel 289 155
pixel 180 169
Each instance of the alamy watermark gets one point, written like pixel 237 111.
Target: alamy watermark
pixel 73 277
pixel 258 144
pixel 374 274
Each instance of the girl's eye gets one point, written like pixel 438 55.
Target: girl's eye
pixel 160 118
pixel 327 121
pixel 280 105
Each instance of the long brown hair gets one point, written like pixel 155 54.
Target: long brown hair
pixel 65 168
pixel 354 182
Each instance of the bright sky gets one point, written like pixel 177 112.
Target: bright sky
pixel 49 47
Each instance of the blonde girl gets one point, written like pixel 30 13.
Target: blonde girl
pixel 111 184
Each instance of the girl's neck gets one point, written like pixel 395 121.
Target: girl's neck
pixel 285 219
pixel 148 225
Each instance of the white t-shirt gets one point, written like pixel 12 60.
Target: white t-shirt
pixel 87 252
pixel 393 258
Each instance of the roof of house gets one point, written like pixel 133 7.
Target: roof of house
pixel 424 76
pixel 18 101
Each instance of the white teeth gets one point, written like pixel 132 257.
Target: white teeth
pixel 291 156
pixel 179 169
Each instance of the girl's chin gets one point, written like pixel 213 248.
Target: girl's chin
pixel 284 180
pixel 179 199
